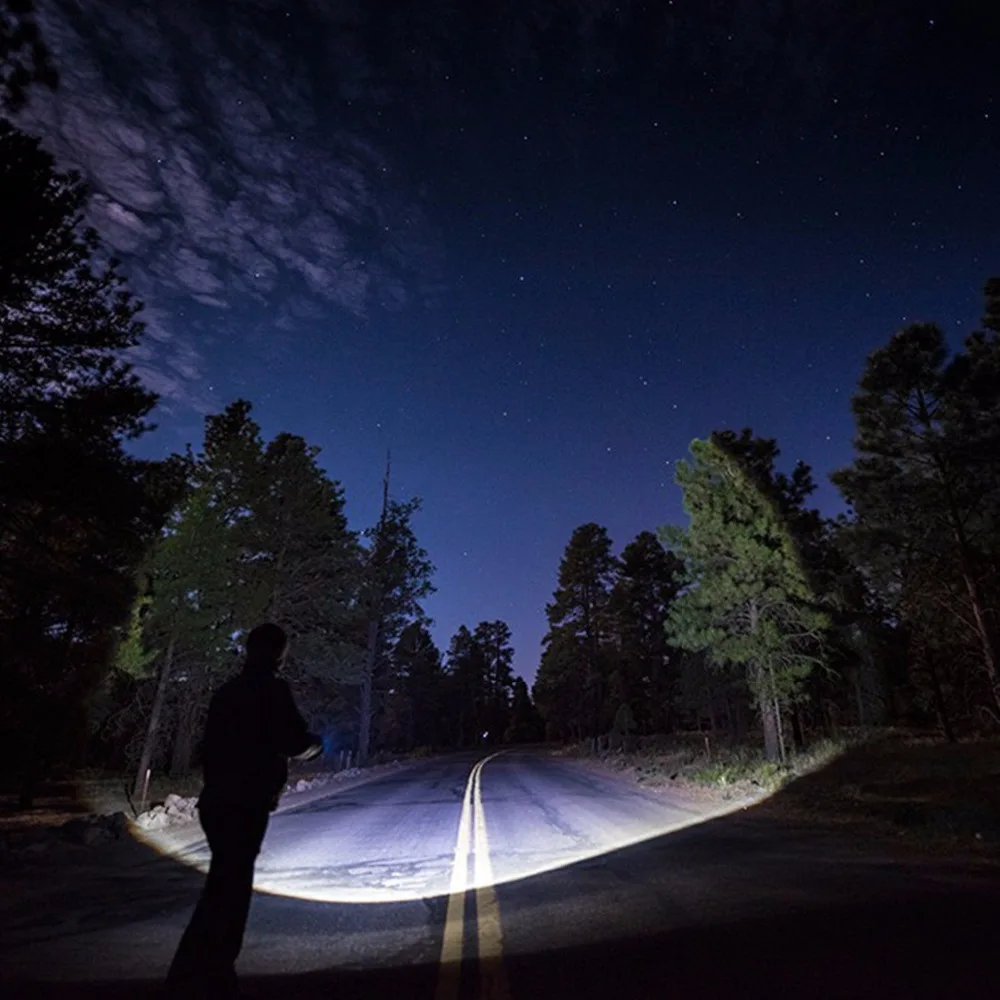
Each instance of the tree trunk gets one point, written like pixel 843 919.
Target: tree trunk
pixel 798 730
pixel 859 696
pixel 152 730
pixel 942 712
pixel 770 711
pixel 367 692
pixel 984 626
pixel 984 630
pixel 782 754
pixel 180 756
pixel 710 705
pixel 769 719
pixel 183 749
pixel 738 713
pixel 29 774
pixel 830 718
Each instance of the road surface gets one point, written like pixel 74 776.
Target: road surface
pixel 521 876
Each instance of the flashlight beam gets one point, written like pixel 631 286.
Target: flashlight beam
pixel 472 838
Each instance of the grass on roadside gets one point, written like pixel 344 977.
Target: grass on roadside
pixel 735 772
pixel 937 796
pixel 744 765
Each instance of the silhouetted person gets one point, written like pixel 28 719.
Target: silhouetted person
pixel 253 727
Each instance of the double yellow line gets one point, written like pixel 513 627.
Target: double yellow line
pixel 472 840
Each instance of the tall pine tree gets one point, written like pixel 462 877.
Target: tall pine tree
pixel 261 535
pixel 925 487
pixel 572 683
pixel 648 581
pixel 396 576
pixel 525 723
pixel 420 679
pixel 748 601
pixel 77 511
pixel 202 590
pixel 467 687
pixel 307 565
pixel 494 642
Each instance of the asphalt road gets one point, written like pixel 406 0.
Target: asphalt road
pixel 521 876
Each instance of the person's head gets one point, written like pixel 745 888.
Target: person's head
pixel 266 645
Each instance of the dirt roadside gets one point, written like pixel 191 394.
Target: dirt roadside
pixel 73 819
pixel 918 797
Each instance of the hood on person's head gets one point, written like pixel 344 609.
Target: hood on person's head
pixel 266 645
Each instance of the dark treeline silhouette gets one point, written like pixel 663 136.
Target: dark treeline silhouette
pixel 76 509
pixel 760 613
pixel 127 586
pixel 260 533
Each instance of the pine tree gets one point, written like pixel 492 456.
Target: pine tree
pixel 494 642
pixel 558 694
pixel 420 677
pixel 262 535
pixel 65 316
pixel 925 486
pixel 467 687
pixel 712 695
pixel 572 683
pixel 395 578
pixel 196 604
pixel 77 511
pixel 307 566
pixel 749 601
pixel 525 723
pixel 649 579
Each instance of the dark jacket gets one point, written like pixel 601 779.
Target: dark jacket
pixel 253 727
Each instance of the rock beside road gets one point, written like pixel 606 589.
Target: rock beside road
pixel 175 811
pixel 322 780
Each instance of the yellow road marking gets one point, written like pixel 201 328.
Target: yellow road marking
pixel 472 834
pixel 454 921
pixel 492 976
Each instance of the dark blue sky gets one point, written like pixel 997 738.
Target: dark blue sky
pixel 534 256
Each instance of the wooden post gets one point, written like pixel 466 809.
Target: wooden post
pixel 149 744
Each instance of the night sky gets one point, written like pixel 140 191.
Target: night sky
pixel 532 248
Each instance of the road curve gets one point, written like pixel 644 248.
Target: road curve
pixel 596 889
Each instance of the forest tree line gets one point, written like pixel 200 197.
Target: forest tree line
pixel 127 584
pixel 762 614
pixel 260 534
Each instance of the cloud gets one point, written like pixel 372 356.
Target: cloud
pixel 221 174
pixel 230 146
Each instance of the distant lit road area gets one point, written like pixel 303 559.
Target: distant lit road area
pixel 522 876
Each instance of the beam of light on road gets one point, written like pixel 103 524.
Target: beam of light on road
pixel 354 880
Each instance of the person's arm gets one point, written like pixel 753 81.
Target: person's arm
pixel 289 732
